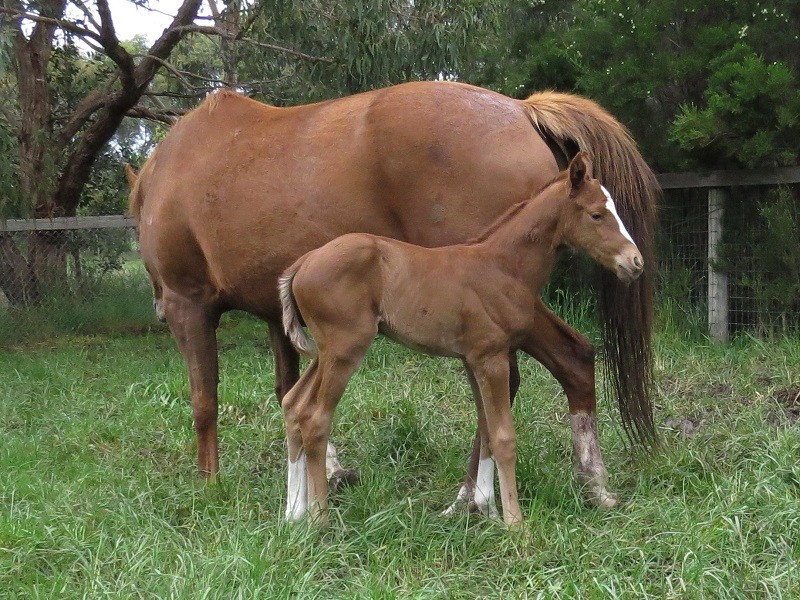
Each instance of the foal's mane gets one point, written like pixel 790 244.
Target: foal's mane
pixel 511 212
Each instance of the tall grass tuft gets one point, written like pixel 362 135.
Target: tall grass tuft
pixel 118 303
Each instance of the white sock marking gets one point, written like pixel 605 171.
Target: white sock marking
pixel 297 498
pixel 332 464
pixel 460 501
pixel 484 488
pixel 613 210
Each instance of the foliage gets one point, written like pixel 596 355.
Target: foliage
pixel 751 116
pixel 702 84
pixel 363 45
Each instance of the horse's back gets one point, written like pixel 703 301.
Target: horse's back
pixel 238 190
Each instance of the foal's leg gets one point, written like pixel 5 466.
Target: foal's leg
pixel 492 377
pixel 340 354
pixel 477 493
pixel 466 494
pixel 193 325
pixel 569 356
pixel 297 494
pixel 287 362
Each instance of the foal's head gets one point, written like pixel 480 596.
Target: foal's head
pixel 591 223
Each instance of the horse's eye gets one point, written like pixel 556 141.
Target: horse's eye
pixel 597 216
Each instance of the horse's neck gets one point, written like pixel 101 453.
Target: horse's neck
pixel 527 243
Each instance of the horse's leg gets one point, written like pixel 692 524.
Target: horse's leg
pixel 466 494
pixel 569 356
pixel 287 361
pixel 492 378
pixel 297 485
pixel 194 326
pixel 477 492
pixel 287 365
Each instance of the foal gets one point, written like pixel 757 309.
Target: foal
pixel 475 301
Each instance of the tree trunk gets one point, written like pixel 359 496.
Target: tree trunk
pixel 15 278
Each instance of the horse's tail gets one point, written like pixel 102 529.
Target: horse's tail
pixel 291 316
pixel 574 123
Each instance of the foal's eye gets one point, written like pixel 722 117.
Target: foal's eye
pixel 597 216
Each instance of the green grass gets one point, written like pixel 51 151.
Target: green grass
pixel 99 496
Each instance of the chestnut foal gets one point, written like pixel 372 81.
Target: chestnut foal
pixel 475 301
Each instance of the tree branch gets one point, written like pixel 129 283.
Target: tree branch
pixel 116 105
pixel 60 23
pixel 218 31
pixel 166 116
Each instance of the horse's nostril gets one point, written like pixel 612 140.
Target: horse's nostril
pixel 637 261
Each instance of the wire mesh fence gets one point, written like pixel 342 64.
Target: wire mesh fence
pixel 67 257
pixel 751 276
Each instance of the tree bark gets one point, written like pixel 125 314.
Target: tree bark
pixel 15 278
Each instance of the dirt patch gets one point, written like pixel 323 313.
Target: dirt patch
pixel 788 403
pixel 685 426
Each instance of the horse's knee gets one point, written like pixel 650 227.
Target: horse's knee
pixel 504 447
pixel 314 430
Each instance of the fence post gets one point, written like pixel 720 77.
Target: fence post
pixel 717 282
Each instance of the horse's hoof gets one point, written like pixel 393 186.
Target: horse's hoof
pixel 603 499
pixel 488 509
pixel 342 479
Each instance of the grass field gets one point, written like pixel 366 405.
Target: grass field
pixel 99 496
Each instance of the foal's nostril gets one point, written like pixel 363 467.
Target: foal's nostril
pixel 638 262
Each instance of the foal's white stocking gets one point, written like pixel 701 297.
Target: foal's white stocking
pixel 297 500
pixel 332 464
pixel 484 488
pixel 479 496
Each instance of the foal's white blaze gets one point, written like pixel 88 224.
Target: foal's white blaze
pixel 613 210
pixel 297 500
pixel 484 487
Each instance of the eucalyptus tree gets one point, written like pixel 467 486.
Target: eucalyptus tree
pixel 62 103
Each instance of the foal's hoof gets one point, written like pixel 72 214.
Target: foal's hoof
pixel 342 479
pixel 603 499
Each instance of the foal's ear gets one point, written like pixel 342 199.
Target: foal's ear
pixel 580 170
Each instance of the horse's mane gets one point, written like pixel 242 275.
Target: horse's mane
pixel 510 212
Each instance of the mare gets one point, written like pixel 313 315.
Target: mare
pixel 238 190
pixel 474 301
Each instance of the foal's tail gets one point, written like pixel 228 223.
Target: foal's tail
pixel 291 316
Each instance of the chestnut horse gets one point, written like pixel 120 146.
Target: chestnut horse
pixel 474 301
pixel 238 190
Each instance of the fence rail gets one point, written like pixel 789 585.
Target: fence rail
pixel 67 223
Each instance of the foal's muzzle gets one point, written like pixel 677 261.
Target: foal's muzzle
pixel 629 265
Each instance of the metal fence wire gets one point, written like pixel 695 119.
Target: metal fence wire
pixel 757 258
pixel 66 258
